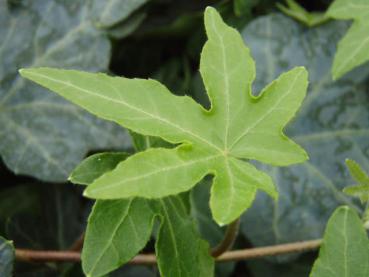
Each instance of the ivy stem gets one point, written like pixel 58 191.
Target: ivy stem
pixel 228 239
pixel 29 255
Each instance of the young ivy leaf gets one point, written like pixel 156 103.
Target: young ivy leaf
pixel 352 50
pixel 296 11
pixel 362 189
pixel 118 229
pixel 238 126
pixel 96 165
pixel 345 248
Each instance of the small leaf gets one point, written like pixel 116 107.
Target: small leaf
pixel 117 230
pixel 310 19
pixel 95 166
pixel 238 126
pixel 6 258
pixel 361 191
pixel 345 248
pixel 357 172
pixel 352 50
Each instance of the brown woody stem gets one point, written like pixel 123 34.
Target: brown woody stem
pixel 147 259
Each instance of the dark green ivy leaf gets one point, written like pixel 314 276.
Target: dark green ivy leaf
pixel 42 135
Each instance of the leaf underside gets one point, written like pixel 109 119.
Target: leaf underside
pixel 238 126
pixel 352 50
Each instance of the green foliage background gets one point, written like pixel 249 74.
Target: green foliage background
pixel 42 137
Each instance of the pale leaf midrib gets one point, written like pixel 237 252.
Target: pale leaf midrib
pixel 67 84
pixel 345 243
pixel 113 233
pixel 154 172
pixel 226 84
pixel 271 109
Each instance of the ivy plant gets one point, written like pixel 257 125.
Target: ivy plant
pixel 352 50
pixel 219 141
pixel 331 126
pixel 238 126
pixel 111 243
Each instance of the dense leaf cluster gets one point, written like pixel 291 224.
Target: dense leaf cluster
pixel 197 149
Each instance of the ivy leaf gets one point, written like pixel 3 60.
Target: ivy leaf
pixel 352 50
pixel 6 258
pixel 345 247
pixel 118 229
pixel 94 166
pixel 42 135
pixel 332 125
pixel 296 11
pixel 357 172
pixel 362 189
pixel 238 126
pixel 107 15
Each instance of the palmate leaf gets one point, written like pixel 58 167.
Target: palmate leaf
pixel 345 248
pixel 118 229
pixel 332 125
pixel 352 50
pixel 238 125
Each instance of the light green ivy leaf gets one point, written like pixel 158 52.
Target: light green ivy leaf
pixel 238 126
pixel 42 135
pixel 96 165
pixel 345 247
pixel 118 229
pixel 6 257
pixel 353 48
pixel 362 189
pixel 296 11
pixel 332 125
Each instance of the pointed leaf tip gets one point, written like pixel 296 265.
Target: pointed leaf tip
pixel 212 18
